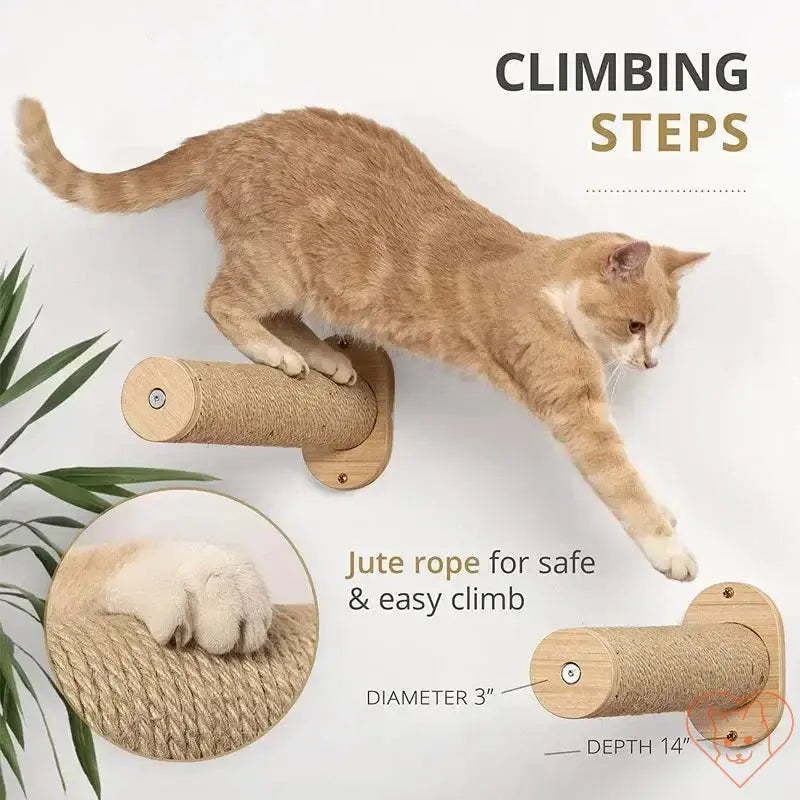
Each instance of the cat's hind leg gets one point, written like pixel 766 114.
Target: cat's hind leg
pixel 239 317
pixel 319 355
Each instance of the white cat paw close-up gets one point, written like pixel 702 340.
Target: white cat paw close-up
pixel 669 557
pixel 193 592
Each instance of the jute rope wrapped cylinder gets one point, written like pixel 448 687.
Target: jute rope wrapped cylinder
pixel 179 704
pixel 172 400
pixel 653 670
pixel 345 431
pixel 726 654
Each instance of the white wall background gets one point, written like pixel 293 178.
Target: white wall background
pixel 714 427
pixel 202 516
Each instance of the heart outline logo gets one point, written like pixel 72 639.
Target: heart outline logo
pixel 743 706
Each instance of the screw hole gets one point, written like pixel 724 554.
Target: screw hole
pixel 157 398
pixel 570 673
pixel 728 592
pixel 342 477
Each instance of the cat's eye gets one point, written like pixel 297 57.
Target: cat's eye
pixel 635 327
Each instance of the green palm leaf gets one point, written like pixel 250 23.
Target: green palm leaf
pixel 36 603
pixel 11 488
pixel 59 522
pixel 11 358
pixel 114 491
pixel 84 748
pixel 9 753
pixel 48 368
pixel 12 716
pixel 68 492
pixel 90 477
pixel 29 526
pixel 7 602
pixel 8 285
pixel 9 319
pixel 66 389
pixel 6 665
pixel 46 560
pixel 26 682
pixel 10 697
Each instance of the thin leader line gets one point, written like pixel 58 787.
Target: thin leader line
pixel 524 686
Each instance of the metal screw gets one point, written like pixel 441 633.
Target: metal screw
pixel 728 592
pixel 731 736
pixel 342 477
pixel 157 398
pixel 570 673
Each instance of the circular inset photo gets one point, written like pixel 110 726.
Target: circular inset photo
pixel 181 624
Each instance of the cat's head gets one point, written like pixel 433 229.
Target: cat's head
pixel 626 301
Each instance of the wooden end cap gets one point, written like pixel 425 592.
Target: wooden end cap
pixel 159 399
pixel 553 669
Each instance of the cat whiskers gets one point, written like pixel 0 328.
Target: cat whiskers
pixel 613 381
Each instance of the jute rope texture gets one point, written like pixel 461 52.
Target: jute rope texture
pixel 667 669
pixel 254 405
pixel 179 704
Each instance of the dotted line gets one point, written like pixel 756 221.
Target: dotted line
pixel 667 191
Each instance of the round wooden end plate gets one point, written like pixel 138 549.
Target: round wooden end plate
pixel 159 399
pixel 561 688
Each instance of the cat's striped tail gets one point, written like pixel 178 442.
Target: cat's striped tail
pixel 178 173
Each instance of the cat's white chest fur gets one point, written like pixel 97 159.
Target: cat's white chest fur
pixel 566 300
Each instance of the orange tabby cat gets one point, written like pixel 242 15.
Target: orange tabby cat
pixel 335 215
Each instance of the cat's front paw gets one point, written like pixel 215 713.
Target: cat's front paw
pixel 668 556
pixel 186 591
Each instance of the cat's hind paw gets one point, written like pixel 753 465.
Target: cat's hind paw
pixel 278 355
pixel 334 365
pixel 669 557
pixel 286 360
pixel 187 591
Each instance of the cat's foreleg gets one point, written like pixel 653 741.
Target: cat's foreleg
pixel 595 446
pixel 319 355
pixel 239 319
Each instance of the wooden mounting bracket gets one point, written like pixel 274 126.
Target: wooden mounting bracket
pixel 362 464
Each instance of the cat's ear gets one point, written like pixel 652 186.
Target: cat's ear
pixel 628 261
pixel 678 262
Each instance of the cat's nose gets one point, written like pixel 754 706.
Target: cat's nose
pixel 651 358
